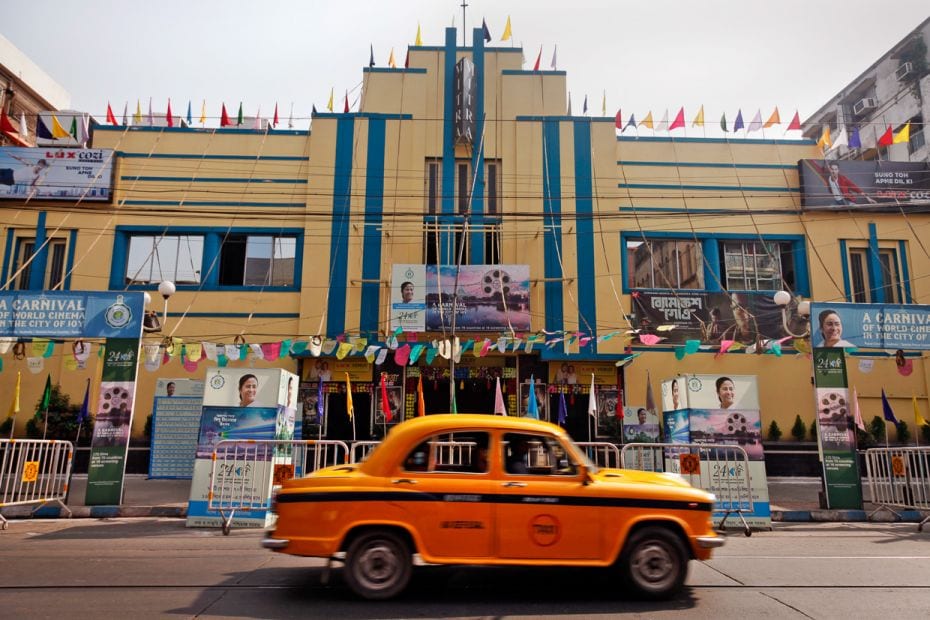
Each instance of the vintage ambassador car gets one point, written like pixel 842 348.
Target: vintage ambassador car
pixel 492 490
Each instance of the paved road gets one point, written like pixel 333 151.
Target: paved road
pixel 146 568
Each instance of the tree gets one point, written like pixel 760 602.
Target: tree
pixel 877 428
pixel 799 430
pixel 62 419
pixel 904 433
pixel 814 430
pixel 774 431
pixel 925 433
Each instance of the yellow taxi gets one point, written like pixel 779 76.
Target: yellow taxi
pixel 492 490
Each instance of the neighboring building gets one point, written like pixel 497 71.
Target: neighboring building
pixel 895 90
pixel 25 88
pixel 286 236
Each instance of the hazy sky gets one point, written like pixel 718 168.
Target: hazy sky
pixel 647 55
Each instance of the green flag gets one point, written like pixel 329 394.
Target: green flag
pixel 723 122
pixel 74 127
pixel 239 118
pixel 46 396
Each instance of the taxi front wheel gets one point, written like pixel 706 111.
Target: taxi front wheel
pixel 378 565
pixel 654 564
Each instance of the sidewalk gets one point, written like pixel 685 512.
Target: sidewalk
pixel 791 499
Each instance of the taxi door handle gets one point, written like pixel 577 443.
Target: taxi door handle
pixel 403 481
pixel 519 485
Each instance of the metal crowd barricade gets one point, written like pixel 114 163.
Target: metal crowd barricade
pixel 34 471
pixel 720 469
pixel 360 450
pixel 899 478
pixel 602 453
pixel 244 472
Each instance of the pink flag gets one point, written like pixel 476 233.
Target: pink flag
pixel 168 116
pixel 649 339
pixel 499 408
pixel 857 414
pixel 679 119
pixel 618 121
pixel 401 355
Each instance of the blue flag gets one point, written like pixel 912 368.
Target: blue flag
pixel 319 401
pixel 83 414
pixel 854 141
pixel 738 123
pixel 886 409
pixel 532 407
pixel 563 409
pixel 484 29
pixel 190 120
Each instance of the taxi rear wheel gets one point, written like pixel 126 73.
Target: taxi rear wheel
pixel 378 565
pixel 654 564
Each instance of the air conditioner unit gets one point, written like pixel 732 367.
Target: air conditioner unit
pixel 903 71
pixel 867 103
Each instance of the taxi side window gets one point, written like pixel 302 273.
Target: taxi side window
pixel 445 452
pixel 536 455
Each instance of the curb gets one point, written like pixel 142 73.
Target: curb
pixel 846 516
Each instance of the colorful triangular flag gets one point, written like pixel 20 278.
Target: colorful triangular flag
pixel 485 31
pixel 111 118
pixel 795 122
pixel 738 123
pixel 756 123
pixel 774 119
pixel 699 119
pixel 903 136
pixel 508 35
pixel 886 409
pixel 679 119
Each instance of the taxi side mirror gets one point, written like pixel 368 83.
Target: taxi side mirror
pixel 585 475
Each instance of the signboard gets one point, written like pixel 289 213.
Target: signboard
pixel 70 314
pixel 332 369
pixel 175 425
pixel 711 317
pixel 640 426
pixel 491 298
pixel 877 326
pixel 56 174
pixel 578 372
pixel 841 184
pixel 835 430
pixel 464 101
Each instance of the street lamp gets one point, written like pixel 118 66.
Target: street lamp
pixel 782 299
pixel 166 289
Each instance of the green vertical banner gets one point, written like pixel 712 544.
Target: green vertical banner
pixel 836 430
pixel 113 423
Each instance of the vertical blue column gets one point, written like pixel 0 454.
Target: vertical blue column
pixel 477 159
pixel 552 225
pixel 447 254
pixel 339 235
pixel 40 260
pixel 876 278
pixel 371 239
pixel 711 251
pixel 584 224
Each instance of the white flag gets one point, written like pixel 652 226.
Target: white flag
pixel 592 400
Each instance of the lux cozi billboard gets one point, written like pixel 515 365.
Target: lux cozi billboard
pixel 56 174
pixel 839 184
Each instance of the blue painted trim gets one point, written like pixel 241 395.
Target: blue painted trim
pixel 697 164
pixel 584 223
pixel 715 188
pixel 447 254
pixel 552 224
pixel 531 72
pixel 689 236
pixel 438 48
pixel 802 278
pixel 381 115
pixel 261 132
pixel 238 230
pixel 8 256
pixel 712 276
pixel 844 262
pixel 209 180
pixel 40 260
pixel 372 235
pixel 204 289
pixel 199 156
pixel 72 243
pixel 339 236
pixel 212 203
pixel 557 353
pixel 565 118
pixel 876 278
pixel 477 160
pixel 392 70
pixel 804 142
pixel 210 268
pixel 692 211
pixel 905 272
pixel 237 315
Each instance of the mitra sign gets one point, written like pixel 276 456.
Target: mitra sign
pixel 464 102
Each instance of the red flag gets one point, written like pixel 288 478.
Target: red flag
pixel 795 122
pixel 887 138
pixel 346 107
pixel 679 119
pixel 538 58
pixel 169 116
pixel 224 118
pixel 618 121
pixel 5 124
pixel 274 123
pixel 110 117
pixel 385 405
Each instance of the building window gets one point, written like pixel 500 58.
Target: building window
pixel 755 266
pixel 664 263
pixel 863 289
pixel 257 260
pixel 54 266
pixel 155 258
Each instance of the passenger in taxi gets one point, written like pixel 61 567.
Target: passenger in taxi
pixel 516 457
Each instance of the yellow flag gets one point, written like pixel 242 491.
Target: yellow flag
pixel 902 136
pixel 604 104
pixel 647 121
pixel 507 33
pixel 774 119
pixel 919 419
pixel 419 40
pixel 14 404
pixel 137 117
pixel 699 119
pixel 391 63
pixel 825 142
pixel 57 130
pixel 203 112
pixel 329 106
pixel 350 408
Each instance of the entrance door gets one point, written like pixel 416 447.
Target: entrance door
pixel 476 397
